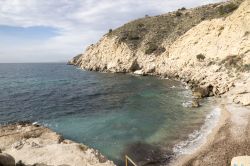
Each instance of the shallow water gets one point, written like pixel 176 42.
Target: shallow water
pixel 117 114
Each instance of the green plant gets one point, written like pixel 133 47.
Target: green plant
pixel 246 67
pixel 200 57
pixel 211 63
pixel 167 27
pixel 221 28
pixel 159 50
pixel 151 48
pixel 110 30
pixel 133 36
pixel 225 9
pixel 178 14
pixel 140 25
pixel 231 60
pixel 234 61
pixel 246 33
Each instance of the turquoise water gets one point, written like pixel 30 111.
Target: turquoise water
pixel 117 114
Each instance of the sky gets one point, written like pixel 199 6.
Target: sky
pixel 57 30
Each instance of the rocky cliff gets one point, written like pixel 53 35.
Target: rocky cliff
pixel 207 46
pixel 30 144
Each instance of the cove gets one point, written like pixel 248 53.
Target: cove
pixel 118 114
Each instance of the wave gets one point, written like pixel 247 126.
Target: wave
pixel 198 137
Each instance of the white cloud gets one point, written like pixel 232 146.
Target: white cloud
pixel 79 23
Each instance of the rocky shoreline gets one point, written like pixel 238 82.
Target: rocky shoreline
pixel 210 53
pixel 26 144
pixel 213 57
pixel 230 138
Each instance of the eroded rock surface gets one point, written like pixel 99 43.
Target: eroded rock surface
pixel 34 144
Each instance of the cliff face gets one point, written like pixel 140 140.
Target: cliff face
pixel 208 46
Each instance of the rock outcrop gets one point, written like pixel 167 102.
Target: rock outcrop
pixel 29 144
pixel 211 50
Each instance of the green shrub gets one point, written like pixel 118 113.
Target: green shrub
pixel 235 61
pixel 221 28
pixel 246 33
pixel 227 8
pixel 246 67
pixel 200 57
pixel 231 61
pixel 110 30
pixel 133 36
pixel 159 50
pixel 123 36
pixel 140 25
pixel 211 63
pixel 151 48
pixel 163 27
pixel 178 14
pixel 129 36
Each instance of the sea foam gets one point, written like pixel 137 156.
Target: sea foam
pixel 198 137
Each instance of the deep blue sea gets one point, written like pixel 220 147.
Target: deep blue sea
pixel 117 114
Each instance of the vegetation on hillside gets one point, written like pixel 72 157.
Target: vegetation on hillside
pixel 235 62
pixel 150 32
pixel 200 57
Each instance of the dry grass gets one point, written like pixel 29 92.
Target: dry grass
pixel 167 27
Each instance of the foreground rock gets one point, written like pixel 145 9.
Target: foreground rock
pixel 6 160
pixel 34 144
pixel 206 46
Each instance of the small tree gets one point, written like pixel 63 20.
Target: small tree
pixel 200 57
pixel 110 30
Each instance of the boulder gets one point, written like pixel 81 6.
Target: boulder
pixel 6 160
pixel 200 92
pixel 195 103
pixel 139 72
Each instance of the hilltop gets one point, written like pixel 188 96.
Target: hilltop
pixel 206 47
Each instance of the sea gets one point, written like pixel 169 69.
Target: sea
pixel 144 117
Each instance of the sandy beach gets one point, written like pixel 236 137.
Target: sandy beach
pixel 230 138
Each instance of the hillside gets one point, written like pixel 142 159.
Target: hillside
pixel 206 47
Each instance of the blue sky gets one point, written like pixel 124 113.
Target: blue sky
pixel 57 30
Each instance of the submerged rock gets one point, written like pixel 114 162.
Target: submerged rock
pixel 195 103
pixel 148 155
